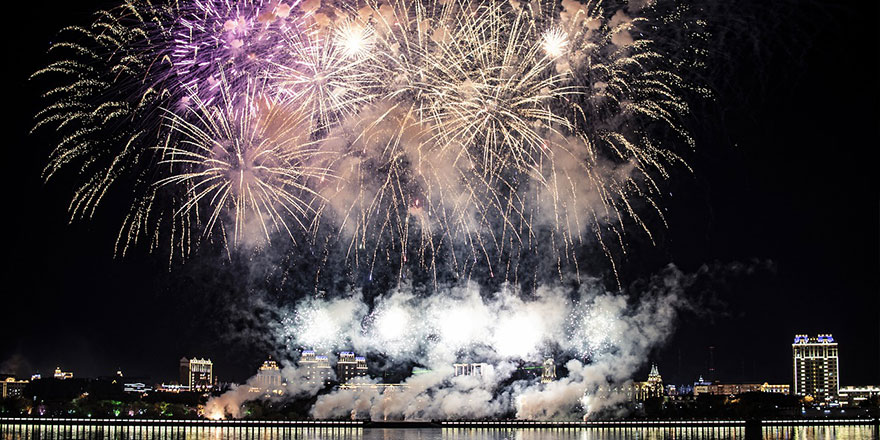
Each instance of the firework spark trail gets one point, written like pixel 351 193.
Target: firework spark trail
pixel 250 157
pixel 453 134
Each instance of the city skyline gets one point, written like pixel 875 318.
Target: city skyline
pixel 769 231
pixel 810 359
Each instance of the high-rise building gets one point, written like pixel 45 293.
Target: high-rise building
pixel 470 369
pixel 350 366
pixel 184 371
pixel 317 367
pixel 815 366
pixel 548 371
pixel 197 374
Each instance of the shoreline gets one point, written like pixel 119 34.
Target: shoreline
pixel 501 424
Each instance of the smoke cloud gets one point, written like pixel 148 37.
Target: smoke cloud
pixel 599 339
pixel 295 384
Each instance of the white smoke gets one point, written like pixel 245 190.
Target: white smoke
pixel 295 384
pixel 605 336
pixel 436 394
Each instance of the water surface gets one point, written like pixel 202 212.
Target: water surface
pixel 90 432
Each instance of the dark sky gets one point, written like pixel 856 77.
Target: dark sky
pixel 784 183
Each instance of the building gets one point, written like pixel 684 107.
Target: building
pixel 268 379
pixel 381 387
pixel 62 375
pixel 172 388
pixel 10 387
pixel 548 371
pixel 197 374
pixel 778 389
pixel 317 367
pixel 732 389
pixel 350 366
pixel 815 368
pixel 653 387
pixel 855 396
pixel 136 387
pixel 634 391
pixel 477 369
pixel 701 387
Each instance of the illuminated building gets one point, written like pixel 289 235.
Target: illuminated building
pixel 701 387
pixel 136 387
pixel 815 365
pixel 197 374
pixel 548 371
pixel 36 376
pixel 317 367
pixel 778 389
pixel 855 396
pixel 172 388
pixel 732 389
pixel 653 387
pixel 381 387
pixel 470 369
pixel 268 379
pixel 11 387
pixel 636 391
pixel 350 366
pixel 62 375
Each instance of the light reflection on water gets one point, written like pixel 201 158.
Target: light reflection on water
pixel 86 432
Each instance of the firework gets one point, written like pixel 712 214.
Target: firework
pixel 453 135
pixel 248 157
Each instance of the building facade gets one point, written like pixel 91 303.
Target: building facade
pixel 653 387
pixel 317 367
pixel 477 369
pixel 268 379
pixel 855 396
pixel 350 366
pixel 701 386
pixel 62 375
pixel 776 388
pixel 197 374
pixel 12 387
pixel 815 368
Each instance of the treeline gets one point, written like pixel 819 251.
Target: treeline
pixel 98 398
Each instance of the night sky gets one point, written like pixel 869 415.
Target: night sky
pixel 781 211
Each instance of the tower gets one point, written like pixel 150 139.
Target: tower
pixel 815 368
pixel 201 372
